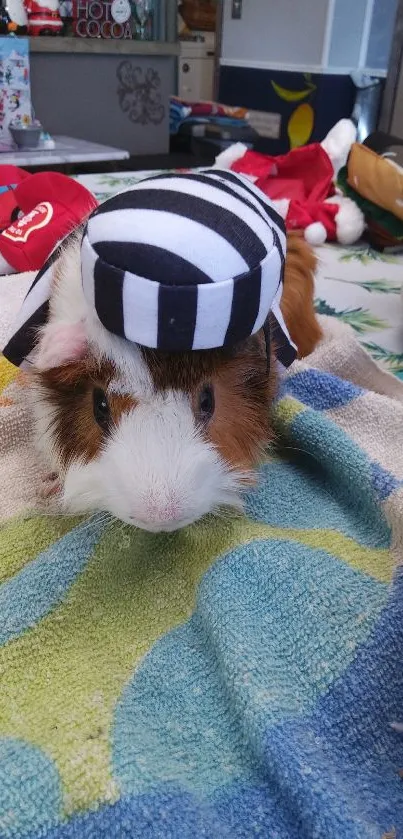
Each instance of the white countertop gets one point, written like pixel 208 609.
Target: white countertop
pixel 67 150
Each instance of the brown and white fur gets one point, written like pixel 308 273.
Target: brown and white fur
pixel 158 462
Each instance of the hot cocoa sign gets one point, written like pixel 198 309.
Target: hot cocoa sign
pixel 103 19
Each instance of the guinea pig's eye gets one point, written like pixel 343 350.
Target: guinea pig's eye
pixel 206 403
pixel 100 408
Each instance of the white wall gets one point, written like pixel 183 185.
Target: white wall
pixel 346 33
pixel 332 35
pixel 275 31
pixel 381 32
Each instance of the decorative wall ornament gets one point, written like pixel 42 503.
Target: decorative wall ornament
pixel 139 93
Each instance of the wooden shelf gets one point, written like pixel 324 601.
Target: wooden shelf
pixel 104 46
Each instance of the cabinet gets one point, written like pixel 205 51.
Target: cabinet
pixel 196 69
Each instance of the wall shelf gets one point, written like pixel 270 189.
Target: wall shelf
pixel 101 46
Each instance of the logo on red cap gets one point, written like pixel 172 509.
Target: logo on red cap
pixel 39 217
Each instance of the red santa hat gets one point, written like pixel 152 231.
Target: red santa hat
pixel 301 184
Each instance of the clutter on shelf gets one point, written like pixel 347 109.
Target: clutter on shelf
pixel 198 15
pixel 183 113
pixel 146 20
pixel 26 134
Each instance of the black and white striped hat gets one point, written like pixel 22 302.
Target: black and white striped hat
pixel 180 262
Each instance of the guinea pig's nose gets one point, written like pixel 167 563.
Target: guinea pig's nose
pixel 159 513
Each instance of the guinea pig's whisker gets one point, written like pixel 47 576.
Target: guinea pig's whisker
pixel 298 449
pixel 313 457
pixel 95 521
pixel 239 480
pixel 45 431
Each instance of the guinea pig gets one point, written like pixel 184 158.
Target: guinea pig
pixel 156 439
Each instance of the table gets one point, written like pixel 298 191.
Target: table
pixel 67 150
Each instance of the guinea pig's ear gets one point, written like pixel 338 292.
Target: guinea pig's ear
pixel 297 302
pixel 60 343
pixel 255 346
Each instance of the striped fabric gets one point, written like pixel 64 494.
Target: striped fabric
pixel 180 262
pixel 33 314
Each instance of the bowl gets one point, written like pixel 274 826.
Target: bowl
pixel 199 15
pixel 26 138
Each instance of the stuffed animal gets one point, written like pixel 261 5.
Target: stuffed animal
pixel 301 185
pixel 43 17
pixel 373 178
pixel 13 18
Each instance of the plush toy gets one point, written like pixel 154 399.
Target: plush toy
pixel 378 178
pixel 301 184
pixel 43 17
pixel 384 229
pixel 13 18
pixel 373 178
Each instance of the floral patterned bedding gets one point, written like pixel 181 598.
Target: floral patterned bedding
pixel 356 284
pixel 362 287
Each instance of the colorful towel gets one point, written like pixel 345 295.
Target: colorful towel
pixel 238 678
pixel 178 112
pixel 181 112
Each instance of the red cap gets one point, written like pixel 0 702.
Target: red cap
pixel 52 205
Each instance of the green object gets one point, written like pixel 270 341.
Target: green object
pixel 390 223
